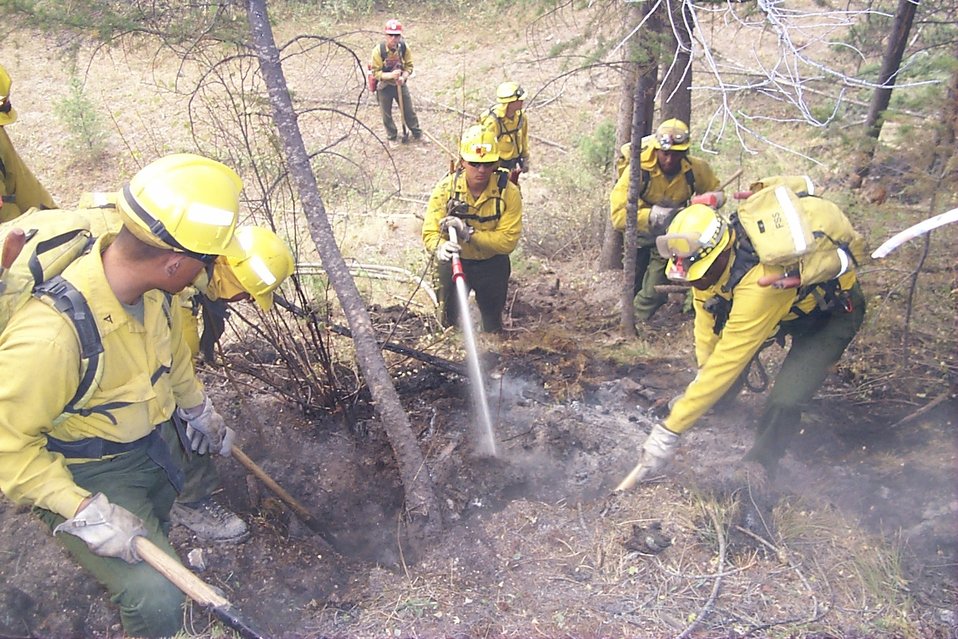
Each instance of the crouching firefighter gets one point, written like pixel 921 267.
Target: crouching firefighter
pixel 485 209
pixel 98 468
pixel 741 300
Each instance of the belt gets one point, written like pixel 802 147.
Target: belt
pixel 97 448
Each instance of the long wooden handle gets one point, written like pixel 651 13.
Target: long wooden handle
pixel 261 475
pixel 729 181
pixel 178 574
pixel 195 588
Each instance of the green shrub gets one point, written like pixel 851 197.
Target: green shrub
pixel 87 135
pixel 598 149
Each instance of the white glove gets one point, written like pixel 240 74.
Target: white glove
pixel 463 230
pixel 660 216
pixel 657 451
pixel 447 250
pixel 206 429
pixel 107 529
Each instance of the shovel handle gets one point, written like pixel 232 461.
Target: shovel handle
pixel 12 245
pixel 178 574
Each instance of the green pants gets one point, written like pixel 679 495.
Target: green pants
pixel 818 341
pixel 150 606
pixel 488 278
pixel 649 273
pixel 386 95
pixel 202 479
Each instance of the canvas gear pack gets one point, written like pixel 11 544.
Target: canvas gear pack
pixel 54 239
pixel 788 226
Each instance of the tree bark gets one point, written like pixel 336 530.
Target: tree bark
pixel 676 96
pixel 421 502
pixel 610 257
pixel 890 65
pixel 643 108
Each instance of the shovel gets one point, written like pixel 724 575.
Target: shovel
pixel 12 245
pixel 195 588
pixel 402 112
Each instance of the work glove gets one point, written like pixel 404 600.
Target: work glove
pixel 206 429
pixel 657 451
pixel 447 250
pixel 463 230
pixel 660 217
pixel 524 163
pixel 107 529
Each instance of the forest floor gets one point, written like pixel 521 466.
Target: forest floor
pixel 861 541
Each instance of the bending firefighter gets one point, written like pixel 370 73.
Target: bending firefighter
pixel 669 177
pixel 100 469
pixel 19 188
pixel 508 122
pixel 485 209
pixel 740 302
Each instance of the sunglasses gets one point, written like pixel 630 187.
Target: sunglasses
pixel 480 165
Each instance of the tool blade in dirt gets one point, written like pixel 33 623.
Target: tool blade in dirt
pixel 914 231
pixel 487 443
pixel 194 587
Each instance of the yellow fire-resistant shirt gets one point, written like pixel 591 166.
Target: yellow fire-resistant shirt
pixel 40 364
pixel 662 190
pixel 392 61
pixel 20 189
pixel 512 133
pixel 754 317
pixel 491 237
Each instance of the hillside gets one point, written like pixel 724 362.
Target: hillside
pixel 862 539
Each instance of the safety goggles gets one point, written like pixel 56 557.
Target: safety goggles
pixel 672 138
pixel 480 165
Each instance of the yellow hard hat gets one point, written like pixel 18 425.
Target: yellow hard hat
pixel 184 202
pixel 266 262
pixel 696 236
pixel 509 92
pixel 479 145
pixel 672 135
pixel 8 115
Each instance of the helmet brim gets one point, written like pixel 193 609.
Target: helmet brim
pixel 698 269
pixel 9 117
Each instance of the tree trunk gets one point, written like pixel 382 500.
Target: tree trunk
pixel 676 96
pixel 643 108
pixel 421 502
pixel 610 257
pixel 890 65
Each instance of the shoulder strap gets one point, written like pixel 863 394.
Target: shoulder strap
pixel 68 300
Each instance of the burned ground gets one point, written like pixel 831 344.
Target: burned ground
pixel 863 541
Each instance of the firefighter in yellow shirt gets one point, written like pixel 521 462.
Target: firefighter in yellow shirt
pixel 714 256
pixel 485 209
pixel 509 123
pixel 102 473
pixel 670 177
pixel 392 66
pixel 19 188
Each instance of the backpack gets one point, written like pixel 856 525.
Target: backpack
pixel 54 239
pixel 788 226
